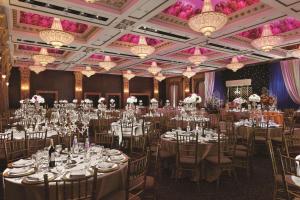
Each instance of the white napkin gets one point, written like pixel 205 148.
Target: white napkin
pixel 105 165
pixel 39 176
pixel 15 171
pixel 113 152
pixel 22 162
pixel 117 158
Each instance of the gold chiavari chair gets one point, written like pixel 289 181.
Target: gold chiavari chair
pixel 84 188
pixel 105 139
pixel 187 158
pixel 15 150
pixel 225 158
pixel 279 189
pixel 3 138
pixel 137 145
pixel 172 124
pixel 126 137
pixel 290 171
pixel 291 145
pixel 214 120
pixel 35 141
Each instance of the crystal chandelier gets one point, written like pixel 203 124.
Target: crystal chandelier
pixel 56 36
pixel 267 41
pixel 296 53
pixel 208 21
pixel 88 72
pixel 43 58
pixel 90 1
pixel 154 69
pixel 107 64
pixel 197 58
pixel 142 49
pixel 160 77
pixel 128 75
pixel 36 68
pixel 235 64
pixel 189 72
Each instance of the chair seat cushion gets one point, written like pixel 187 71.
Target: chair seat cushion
pixel 240 154
pixel 277 139
pixel 188 160
pixel 241 147
pixel 260 139
pixel 165 154
pixel 214 160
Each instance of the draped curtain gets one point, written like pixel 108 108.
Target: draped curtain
pixel 291 75
pixel 209 84
pixel 219 87
pixel 277 88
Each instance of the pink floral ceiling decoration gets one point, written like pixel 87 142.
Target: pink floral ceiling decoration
pixel 185 9
pixel 46 22
pixel 130 38
pixel 191 51
pixel 100 57
pixel 277 27
pixel 37 49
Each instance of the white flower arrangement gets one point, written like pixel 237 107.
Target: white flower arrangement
pixel 22 101
pixel 87 101
pixel 194 98
pixel 37 99
pixel 75 101
pixel 153 100
pixel 112 101
pixel 239 100
pixel 132 99
pixel 101 100
pixel 254 98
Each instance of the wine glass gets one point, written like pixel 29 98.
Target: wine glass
pixel 58 149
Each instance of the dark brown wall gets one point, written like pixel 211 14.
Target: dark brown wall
pixel 141 85
pixel 61 81
pixel 14 93
pixel 103 83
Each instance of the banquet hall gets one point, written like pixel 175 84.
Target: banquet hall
pixel 149 99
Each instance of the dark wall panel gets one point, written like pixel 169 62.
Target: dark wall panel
pixel 141 85
pixel 61 81
pixel 14 88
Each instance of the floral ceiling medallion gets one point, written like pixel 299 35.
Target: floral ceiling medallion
pixel 208 21
pixel 189 73
pixel 267 41
pixel 107 64
pixel 128 75
pixel 88 72
pixel 154 69
pixel 235 64
pixel 55 35
pixel 43 58
pixel 197 58
pixel 142 49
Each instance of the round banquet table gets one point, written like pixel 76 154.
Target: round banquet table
pixel 107 183
pixel 276 116
pixel 272 133
pixel 205 149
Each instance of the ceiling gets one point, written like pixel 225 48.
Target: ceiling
pixel 111 27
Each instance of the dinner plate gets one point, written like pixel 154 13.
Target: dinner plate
pixel 118 159
pixel 22 163
pixel 103 169
pixel 27 172
pixel 113 152
pixel 37 178
pixel 88 172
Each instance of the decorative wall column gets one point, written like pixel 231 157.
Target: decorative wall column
pixel 25 82
pixel 186 87
pixel 125 90
pixel 5 64
pixel 156 89
pixel 78 85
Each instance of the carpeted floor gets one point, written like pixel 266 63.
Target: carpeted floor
pixel 258 187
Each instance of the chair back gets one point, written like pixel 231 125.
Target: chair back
pixel 289 125
pixel 290 169
pixel 35 141
pixel 15 150
pixel 136 176
pixel 104 139
pixel 262 129
pixel 273 158
pixel 71 189
pixel 291 145
pixel 226 146
pixel 187 147
pixel 137 144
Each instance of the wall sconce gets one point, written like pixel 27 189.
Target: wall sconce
pixel 3 76
pixel 155 91
pixel 78 89
pixel 7 83
pixel 187 90
pixel 25 87
pixel 126 90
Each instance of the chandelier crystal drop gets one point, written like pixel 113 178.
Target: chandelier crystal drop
pixel 189 72
pixel 235 64
pixel 43 58
pixel 88 72
pixel 128 75
pixel 267 41
pixel 296 53
pixel 107 64
pixel 154 69
pixel 55 35
pixel 208 21
pixel 36 68
pixel 197 58
pixel 90 1
pixel 160 77
pixel 142 49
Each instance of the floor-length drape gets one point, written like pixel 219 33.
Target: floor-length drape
pixel 291 75
pixel 209 84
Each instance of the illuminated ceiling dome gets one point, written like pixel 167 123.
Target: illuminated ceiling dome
pixel 142 49
pixel 107 64
pixel 235 64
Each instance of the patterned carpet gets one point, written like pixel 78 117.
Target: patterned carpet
pixel 258 187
